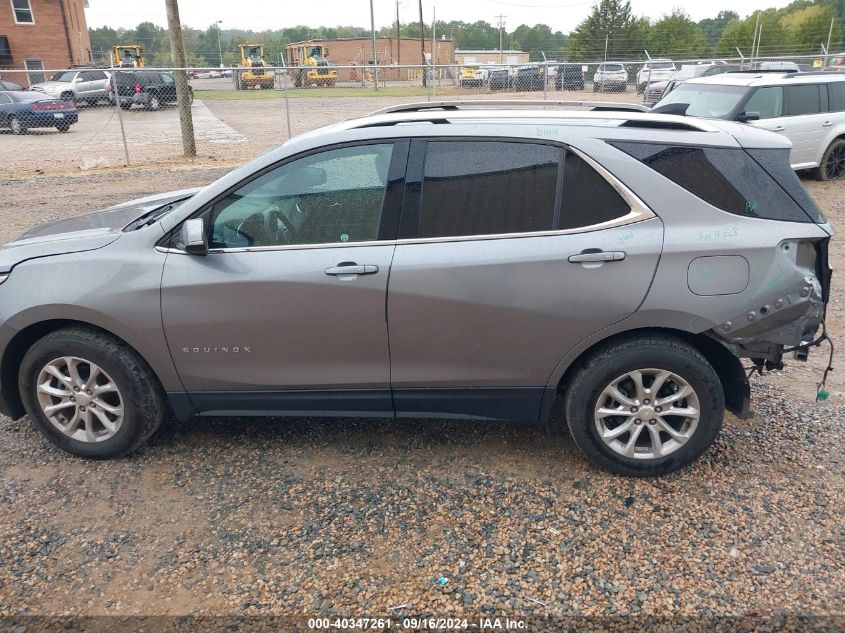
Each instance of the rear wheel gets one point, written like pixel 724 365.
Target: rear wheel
pixel 17 126
pixel 832 166
pixel 125 105
pixel 90 394
pixel 645 407
pixel 63 127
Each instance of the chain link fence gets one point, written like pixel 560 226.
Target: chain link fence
pixel 84 118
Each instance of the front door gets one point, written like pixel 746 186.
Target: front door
pixel 520 251
pixel 286 314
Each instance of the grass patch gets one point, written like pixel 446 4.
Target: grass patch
pixel 295 93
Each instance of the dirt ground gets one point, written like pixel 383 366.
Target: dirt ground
pixel 356 517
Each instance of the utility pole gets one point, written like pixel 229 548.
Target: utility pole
pixel 375 58
pixel 177 50
pixel 219 48
pixel 398 38
pixel 422 44
pixel 501 26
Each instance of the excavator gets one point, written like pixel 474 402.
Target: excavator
pixel 303 55
pixel 253 71
pixel 127 56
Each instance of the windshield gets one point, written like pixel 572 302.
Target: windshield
pixel 65 76
pixel 710 101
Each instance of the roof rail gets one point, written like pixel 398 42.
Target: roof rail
pixel 508 103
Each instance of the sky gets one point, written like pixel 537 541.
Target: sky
pixel 560 16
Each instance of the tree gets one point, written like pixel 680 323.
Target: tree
pixel 740 34
pixel 611 19
pixel 712 28
pixel 808 28
pixel 676 35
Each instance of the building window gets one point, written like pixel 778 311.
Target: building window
pixel 35 65
pixel 23 12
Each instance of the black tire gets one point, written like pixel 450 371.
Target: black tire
pixel 69 97
pixel 143 400
pixel 832 166
pixel 63 127
pixel 602 368
pixel 125 105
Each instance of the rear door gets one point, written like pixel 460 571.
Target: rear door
pixel 802 122
pixel 512 253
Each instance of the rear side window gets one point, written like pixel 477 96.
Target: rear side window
pixel 587 197
pixel 488 187
pixel 802 100
pixel 727 178
pixel 836 92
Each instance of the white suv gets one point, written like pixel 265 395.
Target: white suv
pixel 653 71
pixel 807 108
pixel 610 77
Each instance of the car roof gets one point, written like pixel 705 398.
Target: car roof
pixel 776 78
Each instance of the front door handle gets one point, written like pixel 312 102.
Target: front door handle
pixel 827 123
pixel 778 128
pixel 597 256
pixel 351 268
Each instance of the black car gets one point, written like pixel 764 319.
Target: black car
pixel 529 78
pixel 500 79
pixel 569 77
pixel 151 89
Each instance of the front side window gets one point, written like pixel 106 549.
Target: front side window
pixel 334 196
pixel 488 187
pixel 706 100
pixel 23 12
pixel 768 102
pixel 727 178
pixel 803 99
pixel 167 80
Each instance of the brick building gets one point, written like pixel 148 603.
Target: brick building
pixel 37 35
pixel 358 51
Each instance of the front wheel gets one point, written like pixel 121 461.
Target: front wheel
pixel 832 166
pixel 154 103
pixel 645 406
pixel 17 126
pixel 90 394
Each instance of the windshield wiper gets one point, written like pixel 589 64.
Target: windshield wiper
pixel 152 217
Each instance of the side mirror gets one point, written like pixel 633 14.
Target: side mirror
pixel 192 237
pixel 748 116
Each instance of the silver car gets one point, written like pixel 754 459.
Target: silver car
pixel 425 263
pixel 83 85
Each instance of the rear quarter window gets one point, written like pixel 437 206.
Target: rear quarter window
pixel 732 179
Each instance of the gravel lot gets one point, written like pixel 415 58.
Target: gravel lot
pixel 353 517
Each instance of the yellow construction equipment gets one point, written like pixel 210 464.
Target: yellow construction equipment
pixel 252 72
pixel 127 56
pixel 313 67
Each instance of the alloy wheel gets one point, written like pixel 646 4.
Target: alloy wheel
pixel 80 399
pixel 656 401
pixel 835 165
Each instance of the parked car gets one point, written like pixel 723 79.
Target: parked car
pixel 836 64
pixel 610 77
pixel 808 109
pixel 779 65
pixel 654 71
pixel 473 76
pixel 9 85
pixel 569 77
pixel 655 91
pixel 21 110
pixel 150 89
pixel 388 267
pixel 529 77
pixel 500 79
pixel 82 85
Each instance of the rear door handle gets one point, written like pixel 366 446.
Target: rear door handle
pixel 598 256
pixel 352 269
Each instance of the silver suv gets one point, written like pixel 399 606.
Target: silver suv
pixel 88 85
pixel 432 263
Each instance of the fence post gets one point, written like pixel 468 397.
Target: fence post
pixel 119 114
pixel 545 78
pixel 284 78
